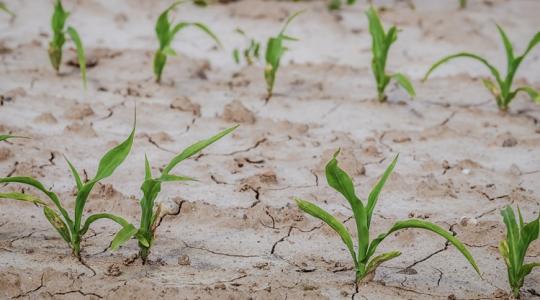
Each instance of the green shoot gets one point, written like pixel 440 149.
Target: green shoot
pixel 5 137
pixel 513 249
pixel 364 264
pixel 502 89
pixel 166 32
pixel 4 8
pixel 250 53
pixel 56 45
pixel 381 42
pixel 150 216
pixel 462 4
pixel 336 4
pixel 274 52
pixel 73 229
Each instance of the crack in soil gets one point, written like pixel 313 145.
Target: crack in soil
pixel 151 141
pixel 75 291
pixel 32 290
pixel 220 253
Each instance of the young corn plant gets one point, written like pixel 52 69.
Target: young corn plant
pixel 519 236
pixel 502 87
pixel 5 137
pixel 72 228
pixel 151 186
pixel 166 32
pixel 381 42
pixel 274 51
pixel 364 261
pixel 58 22
pixel 251 53
pixel 4 8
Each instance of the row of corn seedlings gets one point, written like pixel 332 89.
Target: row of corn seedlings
pixel 500 87
pixel 72 227
pixel 365 259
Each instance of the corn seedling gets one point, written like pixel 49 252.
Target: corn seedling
pixel 364 264
pixel 58 23
pixel 5 9
pixel 462 4
pixel 513 249
pixel 73 229
pixel 250 53
pixel 502 89
pixel 274 52
pixel 166 32
pixel 381 42
pixel 150 216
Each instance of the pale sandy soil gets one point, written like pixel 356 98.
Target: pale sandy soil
pixel 238 226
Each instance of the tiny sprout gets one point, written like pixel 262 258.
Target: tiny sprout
pixel 502 90
pixel 381 42
pixel 166 32
pixel 5 137
pixel 151 186
pixel 73 229
pixel 462 4
pixel 336 4
pixel 250 53
pixel 364 264
pixel 59 38
pixel 274 52
pixel 513 248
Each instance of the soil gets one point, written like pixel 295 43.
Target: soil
pixel 236 233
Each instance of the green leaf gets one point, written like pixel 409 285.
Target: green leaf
pixel 122 236
pixel 5 137
pixel 420 224
pixel 195 148
pixel 507 46
pixel 57 223
pixel 38 185
pixel 327 218
pixel 74 35
pixel 142 240
pixel 75 174
pixel 114 157
pixel 378 260
pixel 172 177
pixel 405 83
pixel 534 94
pixel 527 268
pixel 147 169
pixel 4 8
pixel 374 194
pixel 59 18
pixel 91 219
pixel 341 182
pixel 512 235
pixel 289 20
pixel 493 70
pixel 534 41
pixel 236 56
pixel 209 32
pixel 23 197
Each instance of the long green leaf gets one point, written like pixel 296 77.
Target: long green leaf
pixel 74 35
pixel 5 137
pixel 534 94
pixel 342 182
pixel 420 224
pixel 374 194
pixel 38 185
pixel 512 236
pixel 378 260
pixel 507 46
pixel 23 197
pixel 195 148
pixel 493 70
pixel 209 32
pixel 91 219
pixel 73 170
pixel 327 218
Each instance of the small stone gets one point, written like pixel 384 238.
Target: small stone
pixel 510 142
pixel 220 286
pixel 113 270
pixel 184 260
pixel 183 103
pixel 236 112
pixel 468 221
pixel 46 118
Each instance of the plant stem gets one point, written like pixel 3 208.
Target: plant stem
pixel 143 253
